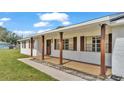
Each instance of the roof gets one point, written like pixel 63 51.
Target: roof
pixel 24 39
pixel 115 16
pixel 76 25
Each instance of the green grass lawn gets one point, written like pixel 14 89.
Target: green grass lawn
pixel 12 69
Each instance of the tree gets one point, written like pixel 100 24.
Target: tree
pixel 3 34
pixel 7 36
pixel 12 38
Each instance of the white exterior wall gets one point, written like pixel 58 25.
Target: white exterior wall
pixel 117 32
pixel 27 50
pixel 89 57
pixel 39 50
pixel 35 49
pixel 118 51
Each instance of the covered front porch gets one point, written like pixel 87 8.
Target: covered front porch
pixel 84 48
pixel 83 67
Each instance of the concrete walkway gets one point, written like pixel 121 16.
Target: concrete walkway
pixel 55 73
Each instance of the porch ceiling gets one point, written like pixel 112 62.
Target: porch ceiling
pixel 91 26
pixel 75 27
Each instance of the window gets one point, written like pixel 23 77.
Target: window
pixel 68 44
pixel 56 44
pixel 71 43
pixel 88 43
pixel 96 44
pixel 24 44
pixel 92 43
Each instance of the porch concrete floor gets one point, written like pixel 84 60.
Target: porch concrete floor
pixel 82 67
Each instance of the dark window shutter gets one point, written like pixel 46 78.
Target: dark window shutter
pixel 22 45
pixel 110 43
pixel 82 43
pixel 75 43
pixel 29 43
pixel 25 44
pixel 55 44
pixel 33 43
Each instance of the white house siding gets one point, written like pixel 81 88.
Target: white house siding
pixel 118 50
pixel 39 50
pixel 35 49
pixel 34 52
pixel 89 57
pixel 117 32
pixel 27 50
pixel 118 58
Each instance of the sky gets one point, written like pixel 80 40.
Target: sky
pixel 28 23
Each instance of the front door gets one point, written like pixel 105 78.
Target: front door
pixel 48 47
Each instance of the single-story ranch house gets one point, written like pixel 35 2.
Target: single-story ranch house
pixel 97 42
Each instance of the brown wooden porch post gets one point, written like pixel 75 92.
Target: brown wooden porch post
pixel 103 67
pixel 42 47
pixel 31 46
pixel 61 47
